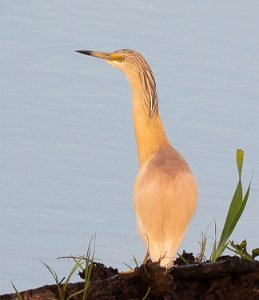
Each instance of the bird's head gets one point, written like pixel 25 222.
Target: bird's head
pixel 136 69
pixel 128 61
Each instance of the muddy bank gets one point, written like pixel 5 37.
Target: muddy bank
pixel 229 278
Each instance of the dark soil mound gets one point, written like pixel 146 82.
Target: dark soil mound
pixel 229 278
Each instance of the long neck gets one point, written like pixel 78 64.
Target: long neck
pixel 149 130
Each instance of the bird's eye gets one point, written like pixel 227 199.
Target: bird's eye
pixel 121 58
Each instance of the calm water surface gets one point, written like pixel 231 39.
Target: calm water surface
pixel 68 156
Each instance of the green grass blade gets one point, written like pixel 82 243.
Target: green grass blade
pixel 182 258
pixel 89 263
pixel 75 267
pixel 213 256
pixel 147 293
pixel 78 262
pixel 243 204
pixel 239 252
pixel 234 218
pixel 239 160
pixel 236 202
pixel 234 208
pixel 131 268
pixel 55 276
pixel 18 295
pixel 53 273
pixel 135 261
pixel 77 293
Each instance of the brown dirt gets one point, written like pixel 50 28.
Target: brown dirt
pixel 228 278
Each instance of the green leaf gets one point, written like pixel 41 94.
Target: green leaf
pixel 239 159
pixel 255 252
pixel 243 204
pixel 235 210
pixel 18 295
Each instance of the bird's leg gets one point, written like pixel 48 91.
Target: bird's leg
pixel 146 258
pixel 147 253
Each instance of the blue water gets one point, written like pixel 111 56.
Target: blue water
pixel 68 155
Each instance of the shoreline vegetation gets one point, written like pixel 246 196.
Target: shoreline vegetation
pixel 220 277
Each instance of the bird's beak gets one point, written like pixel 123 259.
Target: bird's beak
pixel 102 55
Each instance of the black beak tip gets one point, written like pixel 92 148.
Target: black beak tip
pixel 86 52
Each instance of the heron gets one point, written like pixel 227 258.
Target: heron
pixel 165 191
